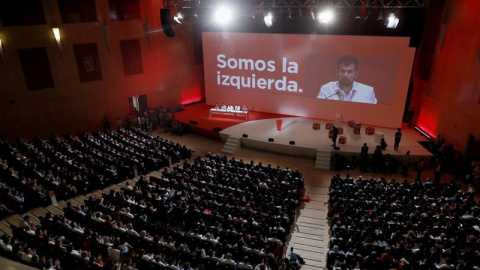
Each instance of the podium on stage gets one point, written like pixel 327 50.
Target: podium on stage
pixel 356 130
pixel 353 124
pixel 337 120
pixel 353 127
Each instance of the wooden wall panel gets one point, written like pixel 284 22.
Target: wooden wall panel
pixel 169 76
pixel 448 101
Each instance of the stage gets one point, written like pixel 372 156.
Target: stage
pixel 197 118
pixel 256 132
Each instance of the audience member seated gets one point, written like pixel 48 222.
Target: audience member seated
pixel 383 144
pixel 380 224
pixel 216 205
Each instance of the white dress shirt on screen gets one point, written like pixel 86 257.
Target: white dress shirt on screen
pixel 360 93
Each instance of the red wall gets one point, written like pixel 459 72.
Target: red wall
pixel 447 101
pixel 170 76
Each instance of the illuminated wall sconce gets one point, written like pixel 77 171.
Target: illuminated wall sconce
pixel 1 50
pixel 56 33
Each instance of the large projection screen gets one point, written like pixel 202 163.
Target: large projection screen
pixel 362 78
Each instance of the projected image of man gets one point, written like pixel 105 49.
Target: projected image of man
pixel 346 88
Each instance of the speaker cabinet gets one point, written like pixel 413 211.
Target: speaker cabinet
pixel 270 139
pixel 166 22
pixel 245 135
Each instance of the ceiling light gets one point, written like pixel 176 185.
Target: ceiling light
pixel 268 19
pixel 325 16
pixel 223 15
pixel 380 16
pixel 358 16
pixel 369 13
pixel 392 21
pixel 178 17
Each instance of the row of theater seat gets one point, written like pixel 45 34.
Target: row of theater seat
pixel 248 206
pixel 77 165
pixel 380 224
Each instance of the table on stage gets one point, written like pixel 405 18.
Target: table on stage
pixel 219 113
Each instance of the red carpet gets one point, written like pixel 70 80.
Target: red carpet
pixel 197 117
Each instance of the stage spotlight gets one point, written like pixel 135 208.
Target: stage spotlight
pixel 392 21
pixel 325 16
pixel 380 16
pixel 178 17
pixel 312 14
pixel 222 15
pixel 268 19
pixel 369 14
pixel 358 15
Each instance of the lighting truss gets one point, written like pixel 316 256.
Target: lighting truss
pixel 260 4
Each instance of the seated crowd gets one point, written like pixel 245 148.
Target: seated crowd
pixel 380 224
pixel 209 213
pixel 151 119
pixel 78 164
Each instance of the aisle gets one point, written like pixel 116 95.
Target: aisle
pixel 310 236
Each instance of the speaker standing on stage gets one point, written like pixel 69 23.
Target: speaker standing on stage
pixel 334 132
pixel 364 156
pixel 398 138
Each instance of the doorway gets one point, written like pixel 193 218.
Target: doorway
pixel 138 104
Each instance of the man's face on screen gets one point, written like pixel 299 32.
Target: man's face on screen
pixel 346 74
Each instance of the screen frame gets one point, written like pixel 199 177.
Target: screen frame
pixel 385 115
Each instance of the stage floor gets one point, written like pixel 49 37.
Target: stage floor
pixel 261 126
pixel 300 131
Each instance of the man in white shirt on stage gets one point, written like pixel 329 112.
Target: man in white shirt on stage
pixel 346 88
pixel 230 107
pixel 238 108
